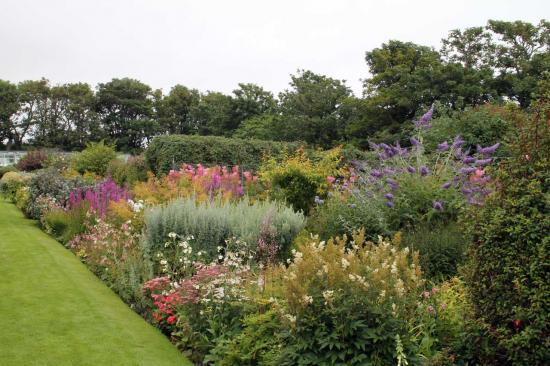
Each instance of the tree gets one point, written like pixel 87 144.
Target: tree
pixel 250 100
pixel 125 107
pixel 8 107
pixel 174 110
pixel 212 115
pixel 311 109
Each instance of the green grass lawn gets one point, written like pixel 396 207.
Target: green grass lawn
pixel 53 311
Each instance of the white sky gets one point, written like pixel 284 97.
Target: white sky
pixel 213 45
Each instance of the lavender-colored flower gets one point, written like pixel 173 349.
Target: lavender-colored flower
pixel 424 171
pixel 446 185
pixel 438 205
pixel 318 200
pixel 376 173
pixel 415 142
pixel 389 196
pixel 352 205
pixel 466 191
pixel 411 169
pixel 487 151
pixel 458 142
pixel 390 204
pixel 444 146
pixel 468 160
pixel 467 170
pixel 424 121
pixel 483 162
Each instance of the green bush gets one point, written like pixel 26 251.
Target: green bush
pixel 5 169
pixel 212 222
pixel 442 248
pixel 22 198
pixel 126 173
pixel 65 225
pixel 11 182
pixel 169 152
pixel 508 271
pixel 94 158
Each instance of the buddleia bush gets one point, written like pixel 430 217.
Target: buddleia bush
pixel 213 221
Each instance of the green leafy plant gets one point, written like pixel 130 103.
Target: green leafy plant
pixel 94 158
pixel 33 160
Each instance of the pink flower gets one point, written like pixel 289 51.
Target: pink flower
pixel 171 319
pixel 330 179
pixel 430 309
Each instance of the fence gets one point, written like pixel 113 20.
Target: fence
pixel 11 157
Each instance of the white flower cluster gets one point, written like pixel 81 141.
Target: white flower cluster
pixel 137 206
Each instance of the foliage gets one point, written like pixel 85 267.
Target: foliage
pixel 442 248
pixel 211 222
pixel 22 198
pixel 94 158
pixel 11 182
pixel 346 301
pixel 50 188
pixel 64 225
pixel 297 179
pixel 198 182
pixel 127 173
pixel 5 169
pixel 33 160
pixel 507 275
pixel 169 152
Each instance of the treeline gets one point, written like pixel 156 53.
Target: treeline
pixel 498 62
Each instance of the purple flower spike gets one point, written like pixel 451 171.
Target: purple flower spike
pixel 467 170
pixel 468 160
pixel 376 173
pixel 415 142
pixel 411 170
pixel 424 121
pixel 389 196
pixel 438 205
pixel 446 185
pixel 483 162
pixel 487 151
pixel 458 142
pixel 390 204
pixel 424 171
pixel 444 146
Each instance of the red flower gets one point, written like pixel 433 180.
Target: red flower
pixel 171 319
pixel 517 324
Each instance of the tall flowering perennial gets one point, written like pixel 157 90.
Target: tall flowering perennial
pixel 449 172
pixel 99 197
pixel 199 181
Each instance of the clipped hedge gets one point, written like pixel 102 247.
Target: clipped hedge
pixel 169 152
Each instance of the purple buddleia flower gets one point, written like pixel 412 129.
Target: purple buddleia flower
pixel 488 151
pixel 478 148
pixel 467 170
pixel 468 160
pixel 390 204
pixel 376 173
pixel 415 142
pixel 411 170
pixel 446 185
pixel 444 146
pixel 424 121
pixel 483 162
pixel 458 142
pixel 424 171
pixel 438 205
pixel 466 191
pixel 389 196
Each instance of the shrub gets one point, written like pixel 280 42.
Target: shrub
pixel 211 222
pixel 22 198
pixel 508 272
pixel 349 302
pixel 33 160
pixel 169 152
pixel 442 248
pixel 94 158
pixel 5 169
pixel 127 173
pixel 64 225
pixel 11 182
pixel 50 186
pixel 297 179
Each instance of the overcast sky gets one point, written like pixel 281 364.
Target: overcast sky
pixel 214 45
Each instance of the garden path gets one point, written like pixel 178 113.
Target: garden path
pixel 54 311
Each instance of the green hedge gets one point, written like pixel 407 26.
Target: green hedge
pixel 168 152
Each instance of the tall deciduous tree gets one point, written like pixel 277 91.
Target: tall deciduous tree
pixel 174 111
pixel 9 106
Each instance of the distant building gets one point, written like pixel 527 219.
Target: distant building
pixel 11 157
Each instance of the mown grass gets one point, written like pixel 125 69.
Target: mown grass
pixel 53 311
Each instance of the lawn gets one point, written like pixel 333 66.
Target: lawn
pixel 53 311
